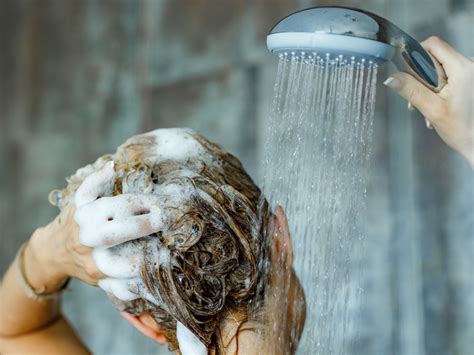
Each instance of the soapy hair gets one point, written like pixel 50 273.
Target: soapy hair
pixel 215 236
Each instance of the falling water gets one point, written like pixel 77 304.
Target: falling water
pixel 316 161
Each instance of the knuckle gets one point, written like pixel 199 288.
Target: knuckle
pixel 92 271
pixel 411 92
pixel 77 245
pixel 78 214
pixel 90 280
pixel 144 225
pixel 70 211
pixel 434 39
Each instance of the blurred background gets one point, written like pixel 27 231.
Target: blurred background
pixel 78 77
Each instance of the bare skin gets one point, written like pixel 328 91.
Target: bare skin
pixel 450 111
pixel 54 253
pixel 43 324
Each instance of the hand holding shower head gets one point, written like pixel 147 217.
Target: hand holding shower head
pixel 355 33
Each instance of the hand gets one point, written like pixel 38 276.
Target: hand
pixel 450 111
pixel 64 248
pixel 55 253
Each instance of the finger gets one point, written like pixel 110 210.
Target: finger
pixel 92 271
pixel 126 260
pixel 425 100
pixel 113 220
pixel 122 261
pixel 117 207
pixel 410 106
pixel 135 321
pixel 119 231
pixel 129 205
pixel 95 185
pixel 128 289
pixel 119 288
pixel 143 328
pixel 444 53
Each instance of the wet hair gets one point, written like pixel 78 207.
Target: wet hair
pixel 215 236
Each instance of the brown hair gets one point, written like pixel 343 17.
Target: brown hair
pixel 216 239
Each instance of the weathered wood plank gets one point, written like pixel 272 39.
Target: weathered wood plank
pixel 78 77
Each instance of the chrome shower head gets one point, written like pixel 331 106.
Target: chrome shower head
pixel 355 33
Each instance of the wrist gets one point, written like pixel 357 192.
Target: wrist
pixel 39 265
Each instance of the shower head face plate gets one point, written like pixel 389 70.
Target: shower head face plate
pixel 329 45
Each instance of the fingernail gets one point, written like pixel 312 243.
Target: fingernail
pixel 428 124
pixel 392 83
pixel 410 106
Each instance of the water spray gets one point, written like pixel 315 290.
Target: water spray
pixel 317 159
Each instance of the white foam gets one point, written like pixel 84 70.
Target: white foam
pixel 176 144
pixel 164 256
pixel 109 224
pixel 122 261
pixel 189 344
pixel 128 290
pixel 98 183
pixel 113 220
pixel 174 194
pixel 139 287
pixel 119 288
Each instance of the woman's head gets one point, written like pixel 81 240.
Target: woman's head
pixel 204 262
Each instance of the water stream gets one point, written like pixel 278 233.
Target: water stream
pixel 316 161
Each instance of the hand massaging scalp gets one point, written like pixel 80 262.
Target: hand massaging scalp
pixel 116 259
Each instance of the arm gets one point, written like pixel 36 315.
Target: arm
pixel 25 323
pixel 59 251
pixel 451 110
pixel 56 338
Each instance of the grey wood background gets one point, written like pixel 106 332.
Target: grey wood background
pixel 77 77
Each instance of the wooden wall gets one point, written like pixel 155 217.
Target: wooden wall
pixel 77 77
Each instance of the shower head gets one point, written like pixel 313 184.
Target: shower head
pixel 355 34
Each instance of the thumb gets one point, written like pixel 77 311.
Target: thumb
pixel 95 184
pixel 425 100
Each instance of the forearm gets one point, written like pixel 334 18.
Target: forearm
pixel 55 338
pixel 20 314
